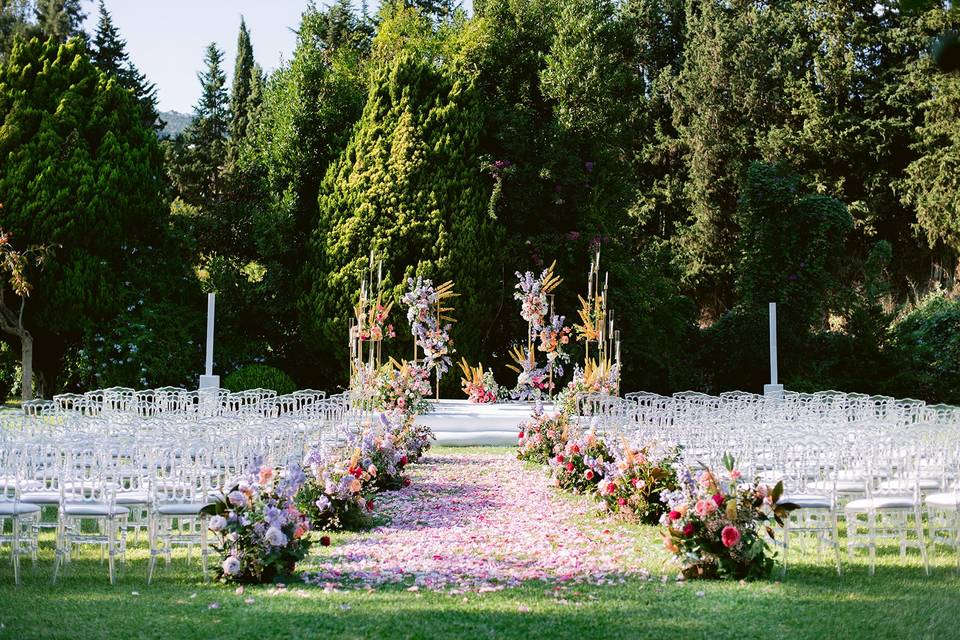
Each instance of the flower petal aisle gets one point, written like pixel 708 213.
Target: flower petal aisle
pixel 482 523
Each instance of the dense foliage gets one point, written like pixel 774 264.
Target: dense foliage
pixel 721 155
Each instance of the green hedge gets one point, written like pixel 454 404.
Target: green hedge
pixel 260 376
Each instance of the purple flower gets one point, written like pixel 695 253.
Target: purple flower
pixel 274 517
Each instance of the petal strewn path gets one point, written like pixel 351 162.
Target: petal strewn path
pixel 481 523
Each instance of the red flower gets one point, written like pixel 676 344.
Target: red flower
pixel 730 536
pixel 403 460
pixel 560 458
pixel 406 482
pixel 622 502
pixel 520 435
pixel 674 515
pixel 688 529
pixel 718 499
pixel 324 541
pixel 370 504
pixel 588 474
pixel 575 448
pixel 570 467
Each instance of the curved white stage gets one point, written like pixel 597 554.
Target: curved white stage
pixel 462 423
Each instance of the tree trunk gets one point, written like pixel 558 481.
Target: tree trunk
pixel 26 363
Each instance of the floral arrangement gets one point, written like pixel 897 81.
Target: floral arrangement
pixel 400 387
pixel 426 312
pixel 478 384
pixel 532 381
pixel 595 377
pixel 413 439
pixel 591 312
pixel 379 457
pixel 542 437
pixel 261 533
pixel 532 292
pixel 337 493
pixel 581 464
pixel 717 525
pixel 634 484
pixel 553 336
pixel 372 320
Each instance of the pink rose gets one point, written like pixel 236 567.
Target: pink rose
pixel 704 508
pixel 730 536
pixel 718 499
pixel 588 474
pixel 675 515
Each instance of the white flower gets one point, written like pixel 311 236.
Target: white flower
pixel 275 537
pixel 217 523
pixel 231 566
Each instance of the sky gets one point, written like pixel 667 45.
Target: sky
pixel 166 40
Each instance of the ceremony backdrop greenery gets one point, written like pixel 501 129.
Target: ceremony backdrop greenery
pixel 721 155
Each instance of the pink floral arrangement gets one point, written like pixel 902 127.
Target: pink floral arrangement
pixel 581 464
pixel 542 436
pixel 717 525
pixel 260 532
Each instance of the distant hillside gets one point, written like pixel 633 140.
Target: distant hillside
pixel 176 122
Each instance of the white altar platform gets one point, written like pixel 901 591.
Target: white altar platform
pixel 462 423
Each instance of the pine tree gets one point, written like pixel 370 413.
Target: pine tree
pixel 60 19
pixel 109 53
pixel 197 159
pixel 240 95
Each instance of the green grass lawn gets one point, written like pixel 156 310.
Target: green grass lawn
pixel 812 602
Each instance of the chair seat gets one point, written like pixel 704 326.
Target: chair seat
pixel 40 497
pixel 133 497
pixel 907 484
pixel 842 486
pixel 181 508
pixel 17 509
pixel 944 500
pixel 24 485
pixel 73 486
pixel 806 501
pixel 94 510
pixel 885 502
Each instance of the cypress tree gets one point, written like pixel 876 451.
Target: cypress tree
pixel 254 100
pixel 242 88
pixel 408 186
pixel 109 53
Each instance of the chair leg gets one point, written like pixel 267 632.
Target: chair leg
pixel 786 545
pixel 15 549
pixel 921 541
pixel 872 541
pixel 203 546
pixel 836 543
pixel 109 525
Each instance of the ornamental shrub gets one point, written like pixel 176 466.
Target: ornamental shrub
pixel 259 376
pixel 925 344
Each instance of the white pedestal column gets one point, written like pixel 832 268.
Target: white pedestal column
pixel 773 390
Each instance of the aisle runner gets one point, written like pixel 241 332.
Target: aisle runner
pixel 482 523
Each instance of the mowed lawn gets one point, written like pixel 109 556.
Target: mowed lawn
pixel 811 602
